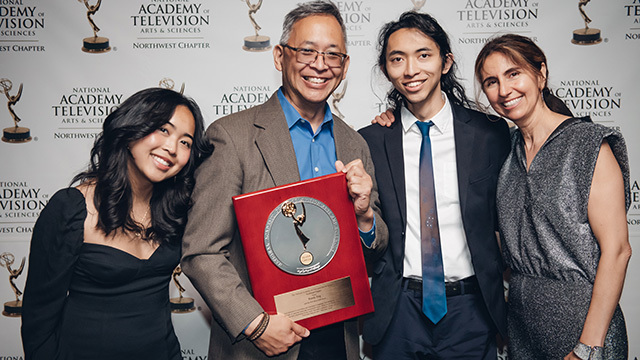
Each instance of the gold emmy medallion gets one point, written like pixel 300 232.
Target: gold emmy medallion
pixel 169 84
pixel 256 42
pixel 95 44
pixel 337 96
pixel 418 4
pixel 586 36
pixel 14 134
pixel 12 308
pixel 180 304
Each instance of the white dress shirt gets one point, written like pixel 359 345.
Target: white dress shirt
pixel 455 251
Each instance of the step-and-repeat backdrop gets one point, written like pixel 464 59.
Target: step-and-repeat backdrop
pixel 65 65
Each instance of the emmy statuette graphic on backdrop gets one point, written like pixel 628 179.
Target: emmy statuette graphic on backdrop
pixel 337 96
pixel 169 84
pixel 96 44
pixel 14 134
pixel 180 304
pixel 418 4
pixel 586 36
pixel 12 308
pixel 256 42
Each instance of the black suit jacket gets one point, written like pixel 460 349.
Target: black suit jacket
pixel 482 144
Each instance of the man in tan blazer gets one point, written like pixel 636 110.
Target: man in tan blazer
pixel 269 145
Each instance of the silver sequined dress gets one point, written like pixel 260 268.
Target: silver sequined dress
pixel 548 243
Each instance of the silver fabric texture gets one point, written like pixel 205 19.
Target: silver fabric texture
pixel 548 243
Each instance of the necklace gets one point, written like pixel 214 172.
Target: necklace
pixel 142 222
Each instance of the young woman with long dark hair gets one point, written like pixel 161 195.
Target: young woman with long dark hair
pixel 102 252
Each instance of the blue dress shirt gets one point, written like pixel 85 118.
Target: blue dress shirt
pixel 315 152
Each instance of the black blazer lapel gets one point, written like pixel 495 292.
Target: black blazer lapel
pixel 395 157
pixel 464 135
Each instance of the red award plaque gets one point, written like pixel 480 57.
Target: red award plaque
pixel 303 251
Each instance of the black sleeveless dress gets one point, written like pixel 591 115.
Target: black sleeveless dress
pixel 91 301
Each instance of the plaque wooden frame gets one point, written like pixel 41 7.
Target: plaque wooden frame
pixel 320 298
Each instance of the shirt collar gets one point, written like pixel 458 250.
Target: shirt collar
pixel 441 121
pixel 292 115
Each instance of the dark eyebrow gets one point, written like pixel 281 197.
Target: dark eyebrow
pixel 396 52
pixel 185 134
pixel 509 70
pixel 313 44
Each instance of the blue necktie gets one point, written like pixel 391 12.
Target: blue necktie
pixel 434 300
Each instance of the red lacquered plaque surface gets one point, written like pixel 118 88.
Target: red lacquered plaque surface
pixel 303 251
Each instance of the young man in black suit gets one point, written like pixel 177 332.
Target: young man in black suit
pixel 468 149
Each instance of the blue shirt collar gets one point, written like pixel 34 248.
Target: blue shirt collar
pixel 292 115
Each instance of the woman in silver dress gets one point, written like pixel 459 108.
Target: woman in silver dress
pixel 562 198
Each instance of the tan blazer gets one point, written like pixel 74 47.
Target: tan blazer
pixel 252 151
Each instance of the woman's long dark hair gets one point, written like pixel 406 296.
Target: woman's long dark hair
pixel 526 54
pixel 425 23
pixel 138 116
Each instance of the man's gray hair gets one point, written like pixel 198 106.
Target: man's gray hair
pixel 318 7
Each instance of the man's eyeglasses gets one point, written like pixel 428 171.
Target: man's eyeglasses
pixel 308 56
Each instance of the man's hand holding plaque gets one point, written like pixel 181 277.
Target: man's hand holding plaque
pixel 359 184
pixel 280 334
